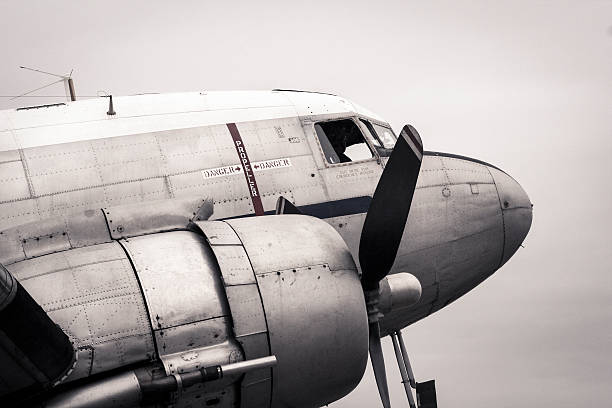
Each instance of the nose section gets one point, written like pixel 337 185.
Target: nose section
pixel 516 212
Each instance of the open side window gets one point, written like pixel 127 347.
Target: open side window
pixel 342 141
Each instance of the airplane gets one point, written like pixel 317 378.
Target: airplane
pixel 221 249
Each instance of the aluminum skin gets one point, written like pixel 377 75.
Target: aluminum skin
pixel 66 168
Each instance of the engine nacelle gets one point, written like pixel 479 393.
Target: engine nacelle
pixel 212 293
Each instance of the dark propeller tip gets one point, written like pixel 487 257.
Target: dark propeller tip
pixel 409 133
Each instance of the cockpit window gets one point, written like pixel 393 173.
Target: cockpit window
pixel 382 137
pixel 370 134
pixel 386 135
pixel 342 141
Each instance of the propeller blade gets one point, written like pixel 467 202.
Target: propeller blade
pixel 284 206
pixel 378 364
pixel 386 218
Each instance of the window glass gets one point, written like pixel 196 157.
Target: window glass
pixel 371 134
pixel 342 141
pixel 386 135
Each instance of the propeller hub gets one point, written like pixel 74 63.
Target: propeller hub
pixel 372 299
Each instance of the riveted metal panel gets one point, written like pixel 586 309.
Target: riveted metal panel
pixel 273 246
pixel 121 159
pixel 248 316
pixel 432 173
pixel 93 295
pixel 330 334
pixel 179 278
pixel 192 149
pixel 290 255
pixel 218 233
pixel 92 227
pixel 13 182
pixel 235 265
pixel 247 313
pixel 87 228
pixel 137 191
pixel 65 202
pixel 194 335
pixel 45 244
pixel 52 235
pixel 462 171
pixel 13 213
pixel 153 216
pixel 69 166
pixel 269 139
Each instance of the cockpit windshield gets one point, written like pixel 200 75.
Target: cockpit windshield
pixel 382 137
pixel 386 135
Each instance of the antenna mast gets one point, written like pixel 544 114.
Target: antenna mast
pixel 67 79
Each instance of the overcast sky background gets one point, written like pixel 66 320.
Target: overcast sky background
pixel 525 85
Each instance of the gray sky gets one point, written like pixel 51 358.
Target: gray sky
pixel 525 85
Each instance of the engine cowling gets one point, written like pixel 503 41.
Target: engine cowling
pixel 314 307
pixel 209 293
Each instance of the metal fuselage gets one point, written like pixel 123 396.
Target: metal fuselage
pixel 467 217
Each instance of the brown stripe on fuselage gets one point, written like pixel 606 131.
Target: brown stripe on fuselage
pixel 249 174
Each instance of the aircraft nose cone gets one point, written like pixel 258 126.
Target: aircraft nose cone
pixel 516 211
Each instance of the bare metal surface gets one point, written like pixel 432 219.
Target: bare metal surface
pixel 516 210
pixel 154 216
pixel 93 295
pixel 200 334
pixel 118 391
pixel 248 315
pixel 156 164
pixel 92 227
pixel 179 278
pixel 330 334
pixel 399 291
pixel 270 250
pixel 249 365
pixel 187 308
pixel 291 256
pixel 219 233
pixel 53 235
pixel 450 243
pixel 235 265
